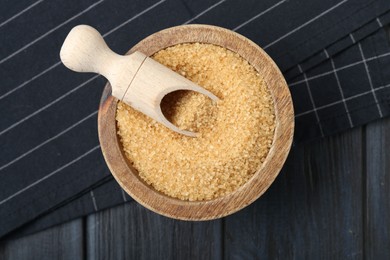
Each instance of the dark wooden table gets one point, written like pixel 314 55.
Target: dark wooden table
pixel 331 201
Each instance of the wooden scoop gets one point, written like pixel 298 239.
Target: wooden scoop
pixel 136 79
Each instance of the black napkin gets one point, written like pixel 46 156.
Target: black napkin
pixel 339 45
pixel 347 90
pixel 50 152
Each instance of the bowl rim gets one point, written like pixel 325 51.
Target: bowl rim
pixel 160 203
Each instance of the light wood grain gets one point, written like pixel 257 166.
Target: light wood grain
pixel 313 211
pixel 136 79
pixel 128 178
pixel 133 232
pixel 65 241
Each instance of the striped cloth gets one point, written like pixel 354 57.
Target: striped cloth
pixel 334 55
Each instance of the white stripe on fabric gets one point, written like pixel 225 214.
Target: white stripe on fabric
pixel 50 31
pixel 259 15
pixel 352 38
pixel 21 12
pixel 341 68
pixel 123 195
pixel 379 22
pixel 370 80
pixel 312 101
pixel 47 141
pixel 28 81
pixel 341 93
pixel 50 174
pixel 47 105
pixel 133 18
pixel 305 24
pixel 339 101
pixel 205 11
pixel 326 54
pixel 93 200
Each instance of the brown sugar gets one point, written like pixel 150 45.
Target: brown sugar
pixel 234 134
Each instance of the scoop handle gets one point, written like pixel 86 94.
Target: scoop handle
pixel 84 50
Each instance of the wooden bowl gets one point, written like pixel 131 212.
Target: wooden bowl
pixel 146 195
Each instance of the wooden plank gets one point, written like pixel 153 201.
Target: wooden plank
pixel 312 211
pixel 377 203
pixel 132 232
pixel 62 242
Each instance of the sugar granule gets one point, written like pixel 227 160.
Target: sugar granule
pixel 234 135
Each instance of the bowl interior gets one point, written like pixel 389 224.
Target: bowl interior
pixel 127 176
